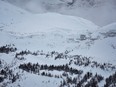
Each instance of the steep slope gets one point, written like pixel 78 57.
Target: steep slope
pixel 10 14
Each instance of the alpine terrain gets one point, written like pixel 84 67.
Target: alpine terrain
pixel 50 49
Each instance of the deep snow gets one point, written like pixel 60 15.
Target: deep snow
pixel 53 32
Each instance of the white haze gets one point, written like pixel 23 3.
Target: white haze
pixel 101 12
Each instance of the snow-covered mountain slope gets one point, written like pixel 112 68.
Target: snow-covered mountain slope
pixel 50 49
pixel 10 14
pixel 14 19
pixel 50 21
pixel 101 12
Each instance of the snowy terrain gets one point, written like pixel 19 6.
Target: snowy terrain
pixel 101 12
pixel 51 49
